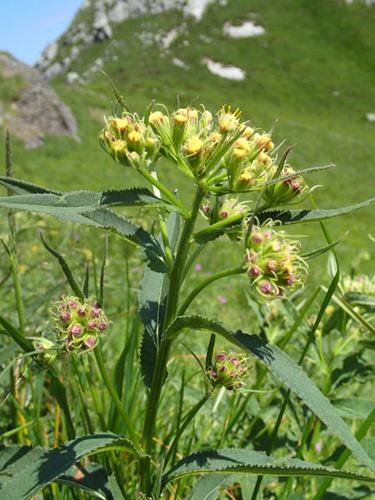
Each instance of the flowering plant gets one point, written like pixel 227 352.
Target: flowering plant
pixel 243 187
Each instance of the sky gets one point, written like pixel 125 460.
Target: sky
pixel 28 26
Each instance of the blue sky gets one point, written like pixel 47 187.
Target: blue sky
pixel 28 26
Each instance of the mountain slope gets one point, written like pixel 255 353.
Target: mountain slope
pixel 311 69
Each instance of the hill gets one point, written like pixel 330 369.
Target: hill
pixel 305 67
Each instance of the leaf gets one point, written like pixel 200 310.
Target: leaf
pixel 321 251
pixel 354 407
pixel 65 269
pixel 92 478
pixel 25 471
pixel 83 207
pixel 207 487
pixel 285 369
pixel 232 460
pixel 152 301
pixel 18 186
pixel 87 200
pixel 16 335
pixel 309 215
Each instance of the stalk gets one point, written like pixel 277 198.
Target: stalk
pixel 176 279
pixel 113 393
pixel 206 282
pixel 188 419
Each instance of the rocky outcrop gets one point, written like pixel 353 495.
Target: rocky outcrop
pixel 34 109
pixel 103 15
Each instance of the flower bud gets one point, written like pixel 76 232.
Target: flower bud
pixel 273 262
pixel 229 371
pixel 227 121
pixel 84 322
pixel 285 191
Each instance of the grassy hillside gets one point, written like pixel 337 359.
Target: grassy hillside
pixel 313 73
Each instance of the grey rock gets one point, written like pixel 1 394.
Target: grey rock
pixel 37 110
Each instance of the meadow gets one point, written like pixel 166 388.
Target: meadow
pixel 313 74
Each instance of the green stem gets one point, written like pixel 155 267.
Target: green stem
pixel 166 192
pixel 188 419
pixel 205 283
pixel 176 279
pixel 112 391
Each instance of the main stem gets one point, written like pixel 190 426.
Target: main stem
pixel 176 279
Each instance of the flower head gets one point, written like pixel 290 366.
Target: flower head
pixel 229 370
pixel 274 265
pixel 79 324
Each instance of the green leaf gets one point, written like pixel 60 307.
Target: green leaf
pixel 207 487
pixel 65 268
pixel 360 299
pixel 16 335
pixel 91 478
pixel 309 215
pixel 231 460
pixel 58 391
pixel 25 471
pixel 18 186
pixel 152 301
pixel 83 207
pixel 354 407
pixel 285 369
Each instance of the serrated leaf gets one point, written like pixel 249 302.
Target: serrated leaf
pixel 25 471
pixel 92 478
pixel 18 186
pixel 152 301
pixel 310 215
pixel 208 486
pixel 231 460
pixel 285 369
pixel 80 207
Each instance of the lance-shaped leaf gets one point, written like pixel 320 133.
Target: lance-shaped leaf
pixel 310 215
pixel 25 471
pixel 286 370
pixel 81 207
pixel 231 460
pixel 152 302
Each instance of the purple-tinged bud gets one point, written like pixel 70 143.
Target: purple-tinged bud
pixel 265 287
pixel 90 341
pixel 257 238
pixel 81 312
pixel 95 305
pixel 205 209
pixel 76 330
pixel 267 233
pixel 235 361
pixel 92 324
pixel 289 280
pixel 95 313
pixel 72 304
pixel 102 326
pixel 222 369
pixel 220 356
pixel 62 307
pixel 65 316
pixel 224 214
pixel 271 266
pixel 254 272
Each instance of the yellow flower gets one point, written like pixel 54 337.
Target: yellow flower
pixel 242 144
pixel 134 137
pixel 193 145
pixel 248 132
pixel 157 117
pixel 239 153
pixel 180 119
pixel 228 122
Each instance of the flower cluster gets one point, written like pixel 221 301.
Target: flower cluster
pixel 361 284
pixel 221 149
pixel 273 263
pixel 230 210
pixel 46 351
pixel 129 140
pixel 229 371
pixel 80 324
pixel 287 190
